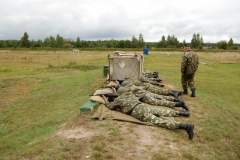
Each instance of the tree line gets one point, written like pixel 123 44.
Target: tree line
pixel 165 42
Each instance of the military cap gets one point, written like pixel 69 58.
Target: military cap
pixel 124 83
pixel 121 90
pixel 127 76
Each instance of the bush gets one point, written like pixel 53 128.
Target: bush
pixel 214 47
pixel 200 47
pixel 222 45
pixel 234 47
pixel 67 45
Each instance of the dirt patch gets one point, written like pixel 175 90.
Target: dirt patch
pixel 77 133
pixel 169 86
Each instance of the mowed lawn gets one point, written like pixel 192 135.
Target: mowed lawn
pixel 41 93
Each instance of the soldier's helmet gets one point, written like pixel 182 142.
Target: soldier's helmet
pixel 124 83
pixel 121 90
pixel 127 76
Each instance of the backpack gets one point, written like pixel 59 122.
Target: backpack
pixel 192 63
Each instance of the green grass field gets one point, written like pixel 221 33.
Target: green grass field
pixel 41 93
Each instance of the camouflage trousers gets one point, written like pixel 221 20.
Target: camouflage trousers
pixel 188 81
pixel 157 90
pixel 161 97
pixel 152 79
pixel 147 114
pixel 150 99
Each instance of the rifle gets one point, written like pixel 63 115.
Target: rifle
pixel 116 87
pixel 109 95
pixel 120 81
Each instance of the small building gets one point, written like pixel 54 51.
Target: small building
pixel 75 51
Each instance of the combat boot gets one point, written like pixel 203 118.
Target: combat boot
pixel 185 114
pixel 182 104
pixel 159 80
pixel 177 99
pixel 159 84
pixel 176 93
pixel 193 93
pixel 155 73
pixel 185 91
pixel 189 129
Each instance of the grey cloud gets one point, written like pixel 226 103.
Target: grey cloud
pixel 107 19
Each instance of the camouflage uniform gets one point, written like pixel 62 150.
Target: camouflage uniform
pixel 151 98
pixel 129 104
pixel 149 73
pixel 147 80
pixel 149 87
pixel 188 80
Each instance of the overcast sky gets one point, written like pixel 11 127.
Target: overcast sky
pixel 214 20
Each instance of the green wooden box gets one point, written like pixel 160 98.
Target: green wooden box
pixel 89 106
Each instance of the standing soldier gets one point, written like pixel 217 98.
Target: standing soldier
pixel 188 68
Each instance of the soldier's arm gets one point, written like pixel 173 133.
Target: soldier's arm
pixel 109 105
pixel 183 64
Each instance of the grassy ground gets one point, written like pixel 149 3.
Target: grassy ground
pixel 41 93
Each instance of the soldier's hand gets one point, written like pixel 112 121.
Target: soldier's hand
pixel 114 90
pixel 104 97
pixel 117 82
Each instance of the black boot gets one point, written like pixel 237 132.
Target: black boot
pixel 178 99
pixel 155 73
pixel 160 85
pixel 185 91
pixel 193 93
pixel 181 104
pixel 185 114
pixel 159 80
pixel 176 93
pixel 189 128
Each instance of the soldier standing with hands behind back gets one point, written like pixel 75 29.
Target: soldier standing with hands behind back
pixel 189 66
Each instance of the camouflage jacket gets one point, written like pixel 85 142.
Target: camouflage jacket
pixel 138 91
pixel 137 83
pixel 189 58
pixel 125 102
